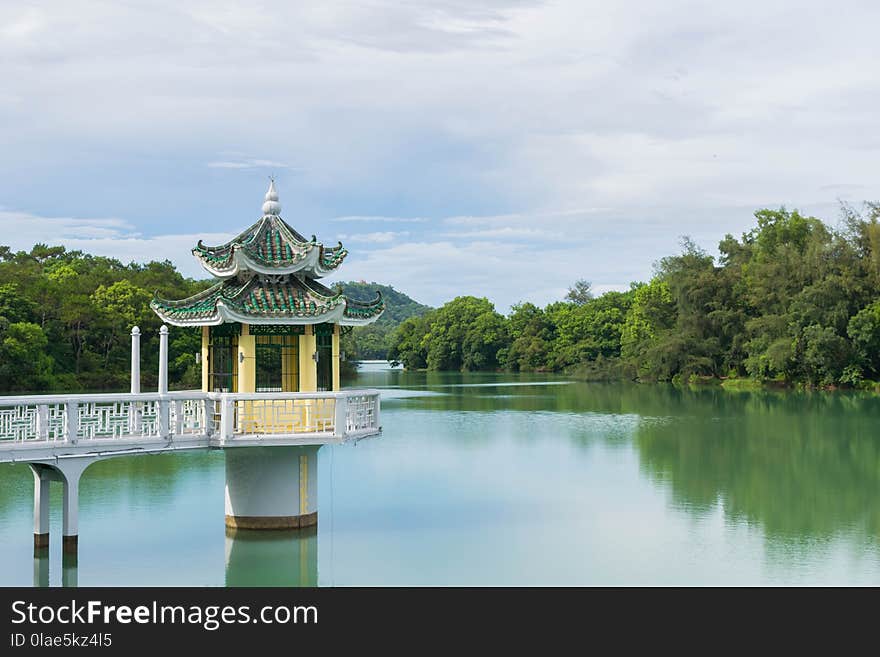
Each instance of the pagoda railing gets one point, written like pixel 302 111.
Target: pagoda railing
pixel 193 417
pixel 348 413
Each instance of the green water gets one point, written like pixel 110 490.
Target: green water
pixel 505 479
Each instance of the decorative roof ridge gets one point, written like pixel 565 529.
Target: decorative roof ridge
pixel 251 232
pixel 318 289
pixel 366 304
pixel 198 296
pixel 290 231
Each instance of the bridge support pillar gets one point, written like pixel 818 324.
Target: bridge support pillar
pixel 272 487
pixel 68 472
pixel 42 478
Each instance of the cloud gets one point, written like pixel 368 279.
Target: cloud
pixel 555 140
pixel 247 164
pixel 400 220
pixel 112 238
pixel 509 232
pixel 23 229
pixel 381 237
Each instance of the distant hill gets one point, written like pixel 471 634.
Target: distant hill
pixel 371 342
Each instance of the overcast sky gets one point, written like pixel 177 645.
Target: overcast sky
pixel 500 148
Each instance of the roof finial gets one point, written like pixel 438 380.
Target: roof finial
pixel 272 206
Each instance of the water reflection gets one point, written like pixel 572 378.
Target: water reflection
pixel 503 479
pixel 800 465
pixel 41 567
pixel 801 468
pixel 69 570
pixel 272 558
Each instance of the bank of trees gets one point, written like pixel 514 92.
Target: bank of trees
pixel 65 319
pixel 792 300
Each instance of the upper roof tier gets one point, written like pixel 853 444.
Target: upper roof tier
pixel 268 300
pixel 270 246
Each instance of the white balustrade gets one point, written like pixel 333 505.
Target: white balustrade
pixel 214 418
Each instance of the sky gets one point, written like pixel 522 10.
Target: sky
pixel 499 148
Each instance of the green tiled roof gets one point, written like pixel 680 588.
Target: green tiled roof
pixel 256 299
pixel 273 245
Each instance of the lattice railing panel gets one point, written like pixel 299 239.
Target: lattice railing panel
pixel 361 413
pixel 103 420
pixel 18 423
pixel 188 417
pixel 284 416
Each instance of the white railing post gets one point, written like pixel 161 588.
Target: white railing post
pixel 43 421
pixel 71 412
pixel 164 418
pixel 135 360
pixel 164 405
pixel 227 418
pixel 376 423
pixel 340 416
pixel 163 360
pixel 134 417
pixel 179 420
pixel 208 415
pixel 134 420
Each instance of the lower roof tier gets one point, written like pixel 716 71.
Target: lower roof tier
pixel 268 300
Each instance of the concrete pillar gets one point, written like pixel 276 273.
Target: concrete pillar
pixel 206 340
pixel 337 362
pixel 42 477
pixel 272 487
pixel 247 360
pixel 308 367
pixel 70 522
pixel 163 359
pixel 135 360
pixel 71 471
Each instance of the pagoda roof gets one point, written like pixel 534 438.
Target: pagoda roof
pixel 270 246
pixel 265 299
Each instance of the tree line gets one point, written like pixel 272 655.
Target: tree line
pixel 66 317
pixel 793 301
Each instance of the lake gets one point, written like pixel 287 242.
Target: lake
pixel 500 479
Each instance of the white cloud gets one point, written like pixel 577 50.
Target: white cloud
pixel 398 220
pixel 508 232
pixel 247 164
pixel 599 136
pixel 112 238
pixel 379 237
pixel 26 229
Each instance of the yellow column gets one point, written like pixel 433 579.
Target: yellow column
pixel 308 370
pixel 247 369
pixel 337 361
pixel 206 337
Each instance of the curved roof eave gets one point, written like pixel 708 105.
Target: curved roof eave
pixel 242 262
pixel 227 314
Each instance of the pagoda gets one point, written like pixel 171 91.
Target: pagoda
pixel 268 324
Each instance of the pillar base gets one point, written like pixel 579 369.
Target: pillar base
pixel 272 522
pixel 41 540
pixel 69 544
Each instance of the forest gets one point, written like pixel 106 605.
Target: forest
pixel 792 301
pixel 66 317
